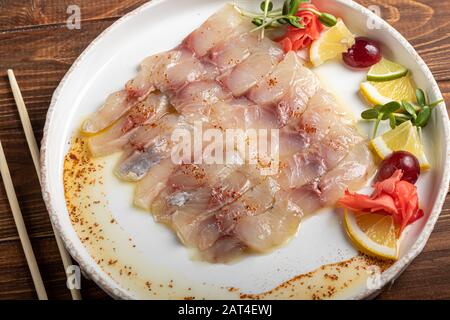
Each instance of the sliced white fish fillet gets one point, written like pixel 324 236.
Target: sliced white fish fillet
pixel 213 31
pixel 277 83
pixel 225 77
pixel 194 101
pixel 153 183
pixel 114 138
pixel 272 228
pixel 149 145
pixel 305 85
pixel 351 173
pixel 248 73
pixel 117 104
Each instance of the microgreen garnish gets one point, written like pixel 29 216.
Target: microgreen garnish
pixel 398 112
pixel 271 18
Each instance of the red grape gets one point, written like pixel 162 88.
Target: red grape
pixel 400 160
pixel 363 54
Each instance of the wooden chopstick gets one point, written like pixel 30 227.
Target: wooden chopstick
pixel 32 144
pixel 23 235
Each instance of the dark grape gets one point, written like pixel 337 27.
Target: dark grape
pixel 363 54
pixel 400 160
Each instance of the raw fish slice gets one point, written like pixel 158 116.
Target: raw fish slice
pixel 164 127
pixel 321 156
pixel 116 105
pixel 168 71
pixel 213 31
pixel 194 101
pixel 351 173
pixel 271 228
pixel 147 111
pixel 142 83
pixel 182 185
pixel 292 142
pixel 331 135
pixel 242 114
pixel 231 188
pixel 224 250
pixel 254 202
pixel 234 51
pixel 193 209
pixel 239 46
pixel 117 136
pixel 153 183
pixel 302 168
pixel 208 187
pixel 149 145
pixel 177 68
pixel 293 104
pixel 136 166
pixel 248 73
pixel 277 83
pixel 306 198
pixel 195 229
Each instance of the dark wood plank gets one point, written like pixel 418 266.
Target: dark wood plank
pixel 36 43
pixel 16 283
pixel 23 14
pixel 39 67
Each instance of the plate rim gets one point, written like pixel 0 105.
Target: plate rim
pixel 114 289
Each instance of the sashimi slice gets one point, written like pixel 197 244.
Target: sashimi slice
pixel 351 173
pixel 149 145
pixel 116 105
pixel 277 83
pixel 255 201
pixel 225 249
pixel 239 46
pixel 306 85
pixel 242 114
pixel 194 101
pixel 117 136
pixel 248 73
pixel 153 183
pixel 271 228
pixel 213 31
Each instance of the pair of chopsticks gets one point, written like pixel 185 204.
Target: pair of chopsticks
pixel 14 204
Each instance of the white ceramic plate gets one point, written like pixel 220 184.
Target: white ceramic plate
pixel 113 58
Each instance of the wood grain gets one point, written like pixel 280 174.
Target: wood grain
pixel 35 42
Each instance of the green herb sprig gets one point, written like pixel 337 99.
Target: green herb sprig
pixel 398 112
pixel 272 18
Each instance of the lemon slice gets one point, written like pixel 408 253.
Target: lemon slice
pixel 373 234
pixel 387 91
pixel 386 70
pixel 404 137
pixel 331 44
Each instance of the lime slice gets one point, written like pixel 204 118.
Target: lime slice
pixel 386 70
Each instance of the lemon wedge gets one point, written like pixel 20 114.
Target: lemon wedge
pixel 379 93
pixel 386 70
pixel 373 234
pixel 331 44
pixel 404 137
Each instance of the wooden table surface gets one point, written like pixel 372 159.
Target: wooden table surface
pixel 36 43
